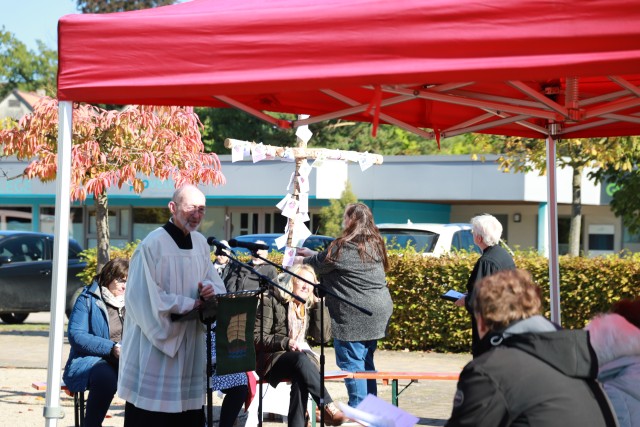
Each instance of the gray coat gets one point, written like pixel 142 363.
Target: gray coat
pixel 363 284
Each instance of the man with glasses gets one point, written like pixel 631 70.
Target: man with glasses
pixel 162 369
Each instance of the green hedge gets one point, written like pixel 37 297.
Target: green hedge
pixel 425 322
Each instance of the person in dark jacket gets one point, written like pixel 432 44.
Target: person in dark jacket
pixel 222 263
pixel 354 267
pixel 95 330
pixel 486 234
pixel 282 350
pixel 241 279
pixel 529 371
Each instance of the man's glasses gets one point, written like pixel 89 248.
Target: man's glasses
pixel 191 209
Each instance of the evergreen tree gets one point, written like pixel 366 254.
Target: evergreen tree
pixel 331 216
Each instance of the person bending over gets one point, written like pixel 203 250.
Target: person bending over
pixel 354 267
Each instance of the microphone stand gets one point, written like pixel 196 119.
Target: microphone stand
pixel 322 291
pixel 265 282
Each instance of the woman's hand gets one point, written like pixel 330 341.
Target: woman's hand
pixel 305 252
pixel 293 346
pixel 115 351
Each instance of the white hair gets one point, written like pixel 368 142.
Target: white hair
pixel 612 337
pixel 487 227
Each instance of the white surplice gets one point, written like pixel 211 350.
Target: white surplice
pixel 162 362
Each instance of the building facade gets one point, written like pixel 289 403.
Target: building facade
pixel 437 189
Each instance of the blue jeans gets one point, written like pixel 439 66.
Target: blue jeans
pixel 103 382
pixel 354 356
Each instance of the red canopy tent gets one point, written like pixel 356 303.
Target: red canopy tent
pixel 534 68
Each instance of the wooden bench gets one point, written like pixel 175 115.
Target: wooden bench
pixel 413 377
pixel 78 401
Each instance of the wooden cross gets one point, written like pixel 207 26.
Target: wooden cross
pixel 300 154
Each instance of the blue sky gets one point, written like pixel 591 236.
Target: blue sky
pixel 31 20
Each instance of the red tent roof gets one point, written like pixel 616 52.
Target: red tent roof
pixel 495 66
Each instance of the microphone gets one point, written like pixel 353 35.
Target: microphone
pixel 213 242
pixel 248 245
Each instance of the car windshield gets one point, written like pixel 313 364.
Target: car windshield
pixel 421 241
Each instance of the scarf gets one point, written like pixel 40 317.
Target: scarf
pixel 112 300
pixel 297 320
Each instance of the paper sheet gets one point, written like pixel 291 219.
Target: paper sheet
pixel 375 412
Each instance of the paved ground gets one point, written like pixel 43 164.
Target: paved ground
pixel 24 356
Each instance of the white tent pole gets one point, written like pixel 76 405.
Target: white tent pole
pixel 52 410
pixel 552 215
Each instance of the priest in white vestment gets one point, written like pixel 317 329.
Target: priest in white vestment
pixel 163 362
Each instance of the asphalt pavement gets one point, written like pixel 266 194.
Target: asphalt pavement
pixel 24 358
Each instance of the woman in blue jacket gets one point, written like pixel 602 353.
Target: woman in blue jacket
pixel 95 331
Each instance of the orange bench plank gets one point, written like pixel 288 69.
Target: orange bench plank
pixel 387 376
pixel 42 386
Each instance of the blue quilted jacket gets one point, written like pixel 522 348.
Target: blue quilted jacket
pixel 88 334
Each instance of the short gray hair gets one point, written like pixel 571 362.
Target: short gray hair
pixel 487 227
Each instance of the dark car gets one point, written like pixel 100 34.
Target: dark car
pixel 26 274
pixel 315 242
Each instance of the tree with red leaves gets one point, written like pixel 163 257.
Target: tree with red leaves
pixel 113 148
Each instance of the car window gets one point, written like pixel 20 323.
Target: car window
pixel 463 239
pixel 23 248
pixel 421 241
pixel 317 243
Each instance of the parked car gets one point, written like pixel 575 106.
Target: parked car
pixel 315 242
pixel 26 260
pixel 430 239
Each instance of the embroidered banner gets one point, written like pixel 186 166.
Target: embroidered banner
pixel 234 334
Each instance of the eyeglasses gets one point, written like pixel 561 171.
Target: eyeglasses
pixel 191 209
pixel 121 280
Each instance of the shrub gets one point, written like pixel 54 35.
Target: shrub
pixel 423 321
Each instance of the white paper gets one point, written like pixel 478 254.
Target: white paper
pixel 303 216
pixel 288 156
pixel 304 346
pixel 352 156
pixel 289 257
pixel 303 200
pixel 304 169
pixel 283 202
pixel 290 208
pixel 293 174
pixel 304 134
pixel 303 183
pixel 375 412
pixel 259 153
pixel 237 153
pixel 366 161
pixel 281 241
pixel 300 234
pixel 270 152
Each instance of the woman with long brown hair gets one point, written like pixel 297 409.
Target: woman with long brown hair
pixel 353 267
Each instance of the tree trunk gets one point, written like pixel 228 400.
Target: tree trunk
pixel 576 212
pixel 102 229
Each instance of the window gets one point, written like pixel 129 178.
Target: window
pixel 146 220
pixel 16 218
pixel 463 240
